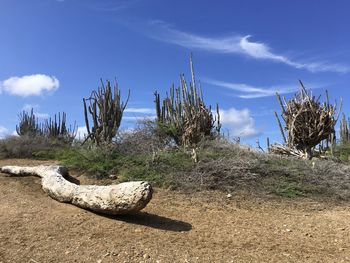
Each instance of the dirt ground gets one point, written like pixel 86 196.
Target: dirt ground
pixel 174 227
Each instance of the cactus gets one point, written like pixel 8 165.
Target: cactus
pixel 183 116
pixel 344 130
pixel 106 110
pixel 307 121
pixel 28 125
pixel 58 130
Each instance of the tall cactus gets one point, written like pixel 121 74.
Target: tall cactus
pixel 28 125
pixel 58 129
pixel 344 130
pixel 106 110
pixel 183 115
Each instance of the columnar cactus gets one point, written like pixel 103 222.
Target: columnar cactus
pixel 59 130
pixel 183 115
pixel 28 125
pixel 106 111
pixel 344 130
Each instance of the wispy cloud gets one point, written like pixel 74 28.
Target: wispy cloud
pixel 250 92
pixel 107 5
pixel 140 110
pixel 30 85
pixel 237 45
pixel 138 118
pixel 238 122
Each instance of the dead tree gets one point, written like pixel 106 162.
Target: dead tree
pixel 106 110
pixel 307 121
pixel 124 198
pixel 183 115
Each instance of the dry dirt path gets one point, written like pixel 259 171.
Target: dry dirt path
pixel 175 227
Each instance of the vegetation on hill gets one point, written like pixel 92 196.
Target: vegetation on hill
pixel 183 149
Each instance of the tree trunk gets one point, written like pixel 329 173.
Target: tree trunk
pixel 124 198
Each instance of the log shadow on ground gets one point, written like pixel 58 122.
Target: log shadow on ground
pixel 152 220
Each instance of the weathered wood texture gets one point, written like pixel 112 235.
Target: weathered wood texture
pixel 124 198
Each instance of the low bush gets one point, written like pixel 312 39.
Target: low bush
pixel 29 147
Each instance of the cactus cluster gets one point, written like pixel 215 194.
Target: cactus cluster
pixel 51 129
pixel 183 115
pixel 54 129
pixel 29 125
pixel 106 110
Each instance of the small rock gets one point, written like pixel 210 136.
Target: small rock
pixel 113 176
pixel 229 195
pixel 288 230
pixel 146 256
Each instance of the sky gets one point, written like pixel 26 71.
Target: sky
pixel 53 53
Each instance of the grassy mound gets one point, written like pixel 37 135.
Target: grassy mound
pixel 221 166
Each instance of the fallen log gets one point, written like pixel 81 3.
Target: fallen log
pixel 124 198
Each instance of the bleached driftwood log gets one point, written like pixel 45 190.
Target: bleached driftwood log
pixel 124 198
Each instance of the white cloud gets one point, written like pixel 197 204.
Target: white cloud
pixel 236 44
pixel 30 85
pixel 140 110
pixel 4 132
pixel 238 122
pixel 250 92
pixel 81 133
pixel 138 118
pixel 35 107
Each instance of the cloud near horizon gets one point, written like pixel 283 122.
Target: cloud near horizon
pixel 238 123
pixel 4 132
pixel 238 45
pixel 140 110
pixel 29 85
pixel 81 133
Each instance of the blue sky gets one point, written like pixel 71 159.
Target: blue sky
pixel 53 53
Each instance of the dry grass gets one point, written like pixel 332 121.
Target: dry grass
pixel 223 166
pixel 28 146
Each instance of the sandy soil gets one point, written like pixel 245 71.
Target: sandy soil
pixel 174 227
